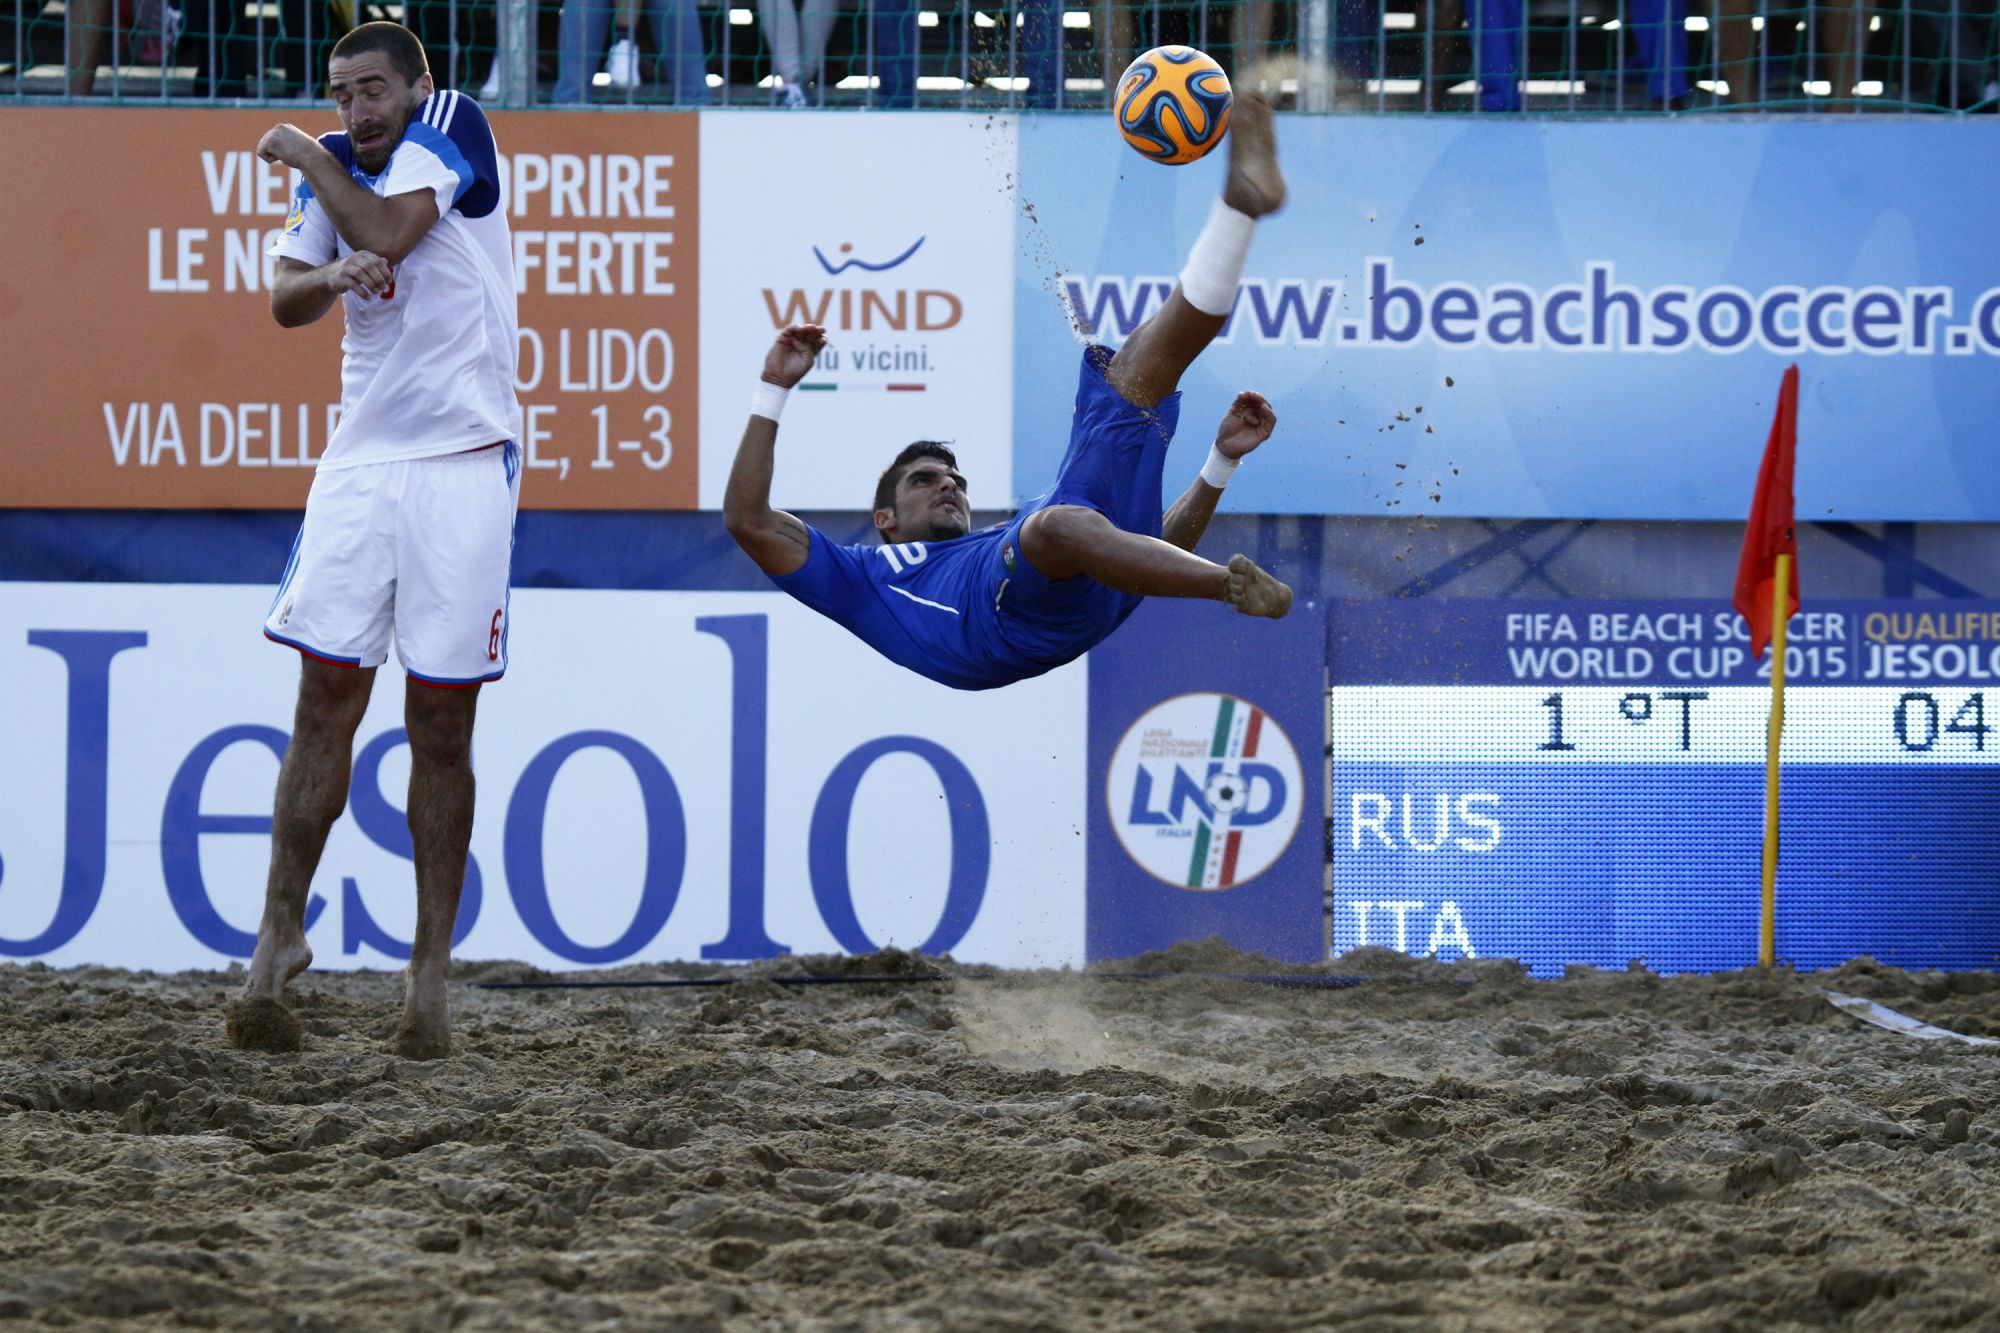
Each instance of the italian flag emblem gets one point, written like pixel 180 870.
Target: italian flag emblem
pixel 1238 727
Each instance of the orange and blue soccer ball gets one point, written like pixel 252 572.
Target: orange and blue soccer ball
pixel 1173 104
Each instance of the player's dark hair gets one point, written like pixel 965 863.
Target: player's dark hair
pixel 393 40
pixel 885 489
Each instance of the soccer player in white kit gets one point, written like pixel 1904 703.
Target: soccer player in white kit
pixel 409 525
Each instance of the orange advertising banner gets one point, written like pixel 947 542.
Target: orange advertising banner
pixel 143 368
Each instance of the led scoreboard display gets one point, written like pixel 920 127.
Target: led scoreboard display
pixel 1583 782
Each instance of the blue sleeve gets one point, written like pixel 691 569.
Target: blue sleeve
pixel 453 128
pixel 340 146
pixel 308 234
pixel 834 579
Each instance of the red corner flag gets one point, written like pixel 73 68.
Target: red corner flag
pixel 1770 533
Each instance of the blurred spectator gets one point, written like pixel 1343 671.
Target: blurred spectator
pixel 677 36
pixel 1499 34
pixel 1828 49
pixel 122 35
pixel 1951 53
pixel 1659 30
pixel 621 62
pixel 796 37
pixel 892 31
pixel 459 36
pixel 240 57
pixel 1027 43
pixel 1118 28
pixel 1237 33
pixel 307 30
pixel 88 44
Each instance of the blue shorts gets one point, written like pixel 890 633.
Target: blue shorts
pixel 1116 455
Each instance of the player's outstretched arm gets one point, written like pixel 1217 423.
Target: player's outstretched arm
pixel 1248 423
pixel 777 541
pixel 389 227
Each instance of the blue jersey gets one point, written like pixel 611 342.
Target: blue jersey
pixel 972 612
pixel 928 606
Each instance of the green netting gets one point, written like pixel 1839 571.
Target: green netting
pixel 1481 56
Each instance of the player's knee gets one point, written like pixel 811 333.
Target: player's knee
pixel 332 698
pixel 1055 537
pixel 439 725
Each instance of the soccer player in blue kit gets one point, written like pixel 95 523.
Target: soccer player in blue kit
pixel 980 610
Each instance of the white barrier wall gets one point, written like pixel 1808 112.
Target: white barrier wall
pixel 661 776
pixel 897 236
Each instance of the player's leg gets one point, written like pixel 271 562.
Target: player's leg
pixel 454 539
pixel 333 606
pixel 312 791
pixel 439 724
pixel 1149 365
pixel 778 20
pixel 1064 541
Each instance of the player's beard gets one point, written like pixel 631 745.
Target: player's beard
pixel 931 525
pixel 945 526
pixel 392 135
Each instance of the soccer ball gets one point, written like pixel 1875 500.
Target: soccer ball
pixel 1172 104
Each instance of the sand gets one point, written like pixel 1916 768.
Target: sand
pixel 1439 1148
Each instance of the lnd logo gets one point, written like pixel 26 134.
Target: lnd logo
pixel 1205 791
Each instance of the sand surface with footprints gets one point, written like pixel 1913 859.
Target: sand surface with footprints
pixel 1440 1147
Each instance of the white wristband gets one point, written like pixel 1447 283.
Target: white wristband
pixel 769 400
pixel 1219 468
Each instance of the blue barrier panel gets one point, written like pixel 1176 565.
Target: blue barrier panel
pixel 1572 320
pixel 1207 735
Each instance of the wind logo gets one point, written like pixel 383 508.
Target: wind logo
pixel 847 247
pixel 880 330
pixel 1205 791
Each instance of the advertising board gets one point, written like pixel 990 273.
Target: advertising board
pixel 661 776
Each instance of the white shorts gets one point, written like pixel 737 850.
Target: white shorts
pixel 419 548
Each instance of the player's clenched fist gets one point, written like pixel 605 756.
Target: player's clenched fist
pixel 287 144
pixel 1248 423
pixel 362 271
pixel 793 354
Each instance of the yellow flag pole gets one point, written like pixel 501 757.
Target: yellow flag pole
pixel 1767 926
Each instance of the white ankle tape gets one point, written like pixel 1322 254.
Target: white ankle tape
pixel 1215 265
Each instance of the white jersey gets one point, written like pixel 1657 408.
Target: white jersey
pixel 427 368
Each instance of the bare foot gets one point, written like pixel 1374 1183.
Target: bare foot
pixel 425 1032
pixel 274 964
pixel 257 1020
pixel 260 1024
pixel 1255 185
pixel 1254 592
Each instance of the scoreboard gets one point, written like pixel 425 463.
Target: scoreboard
pixel 1583 782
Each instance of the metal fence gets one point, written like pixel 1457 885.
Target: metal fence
pixel 1475 56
